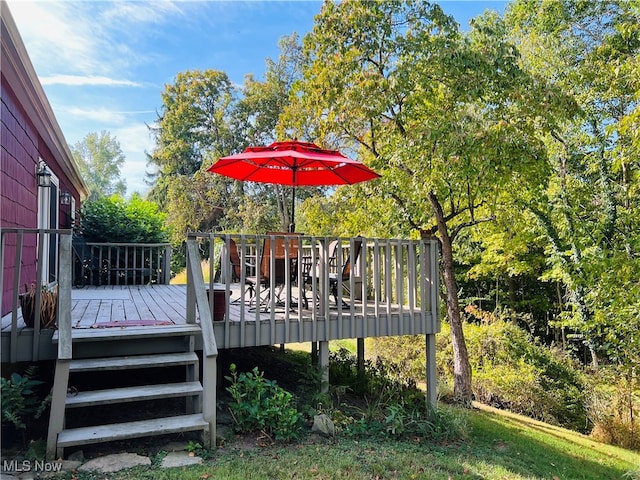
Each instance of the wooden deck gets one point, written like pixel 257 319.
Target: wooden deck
pixel 116 310
pixel 92 306
pixel 389 287
pixel 146 305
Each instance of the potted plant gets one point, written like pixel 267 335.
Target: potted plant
pixel 48 306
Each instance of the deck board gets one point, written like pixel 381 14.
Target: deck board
pixel 78 309
pixel 144 312
pixel 130 310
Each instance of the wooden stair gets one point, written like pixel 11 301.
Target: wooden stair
pixel 130 379
pixel 124 431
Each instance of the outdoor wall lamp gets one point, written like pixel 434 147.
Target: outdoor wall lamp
pixel 65 198
pixel 43 175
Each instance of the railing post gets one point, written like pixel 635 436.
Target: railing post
pixel 166 265
pixel 195 283
pixel 16 289
pixel 191 298
pixel 434 248
pixel 59 392
pixel 35 356
pixel 64 299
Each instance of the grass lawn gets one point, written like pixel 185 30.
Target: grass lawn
pixel 499 446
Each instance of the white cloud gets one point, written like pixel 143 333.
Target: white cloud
pixel 134 140
pixel 87 38
pixel 77 80
pixel 59 35
pixel 140 12
pixel 99 115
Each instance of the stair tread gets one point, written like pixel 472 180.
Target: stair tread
pixel 133 394
pixel 135 361
pixel 129 333
pixel 123 431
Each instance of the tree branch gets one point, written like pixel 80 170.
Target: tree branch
pixel 470 223
pixel 402 205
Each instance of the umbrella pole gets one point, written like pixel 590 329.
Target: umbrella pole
pixel 292 225
pixel 292 229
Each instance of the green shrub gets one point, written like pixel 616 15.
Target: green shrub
pixel 510 370
pixel 261 405
pixel 114 219
pixel 21 401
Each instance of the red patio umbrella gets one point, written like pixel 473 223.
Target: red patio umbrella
pixel 294 164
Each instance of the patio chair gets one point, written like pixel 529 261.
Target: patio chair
pixel 335 249
pixel 345 274
pixel 280 258
pixel 234 269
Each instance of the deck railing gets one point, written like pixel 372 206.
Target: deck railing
pixel 39 259
pixel 196 298
pixel 121 263
pixel 392 287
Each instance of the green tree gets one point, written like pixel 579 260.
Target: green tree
pixel 258 115
pixel 448 120
pixel 99 159
pixel 503 265
pixel 589 206
pixel 203 118
pixel 193 124
pixel 194 127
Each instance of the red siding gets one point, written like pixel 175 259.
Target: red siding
pixel 18 191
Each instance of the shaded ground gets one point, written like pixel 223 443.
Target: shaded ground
pixel 276 366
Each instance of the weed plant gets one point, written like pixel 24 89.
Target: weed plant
pixel 260 404
pixel 382 402
pixel 613 405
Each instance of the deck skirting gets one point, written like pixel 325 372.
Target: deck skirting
pixel 322 329
pixel 249 334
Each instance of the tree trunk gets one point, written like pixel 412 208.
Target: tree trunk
pixel 461 368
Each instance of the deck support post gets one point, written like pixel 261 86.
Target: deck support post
pixel 314 353
pixel 323 365
pixel 432 394
pixel 360 354
pixel 56 418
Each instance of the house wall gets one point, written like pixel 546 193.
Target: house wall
pixel 29 132
pixel 18 190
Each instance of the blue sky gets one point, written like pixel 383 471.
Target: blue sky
pixel 103 65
